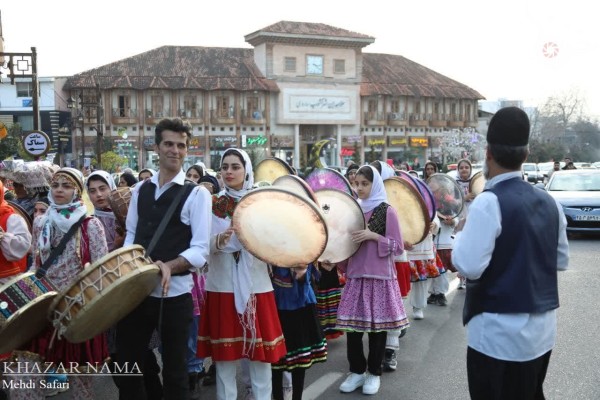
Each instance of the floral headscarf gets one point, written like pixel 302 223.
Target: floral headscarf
pixel 62 216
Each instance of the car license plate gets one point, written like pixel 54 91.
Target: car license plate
pixel 587 218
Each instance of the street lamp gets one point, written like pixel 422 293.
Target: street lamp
pixel 73 104
pixel 90 103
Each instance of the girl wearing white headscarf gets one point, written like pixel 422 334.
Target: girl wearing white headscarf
pixel 105 214
pixel 239 317
pixel 371 300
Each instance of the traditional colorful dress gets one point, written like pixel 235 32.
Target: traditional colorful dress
pixel 328 294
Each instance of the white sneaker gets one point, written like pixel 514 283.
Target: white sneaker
pixel 352 382
pixel 418 313
pixel 372 383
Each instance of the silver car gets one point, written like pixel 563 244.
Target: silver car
pixel 578 191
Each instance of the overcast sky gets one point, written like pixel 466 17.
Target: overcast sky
pixel 497 48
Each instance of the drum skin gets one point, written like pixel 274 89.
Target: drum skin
pixel 477 183
pixel 327 178
pixel 270 169
pixel 423 189
pixel 280 227
pixel 103 293
pixel 449 197
pixel 410 207
pixel 24 304
pixel 119 202
pixel 343 216
pixel 297 185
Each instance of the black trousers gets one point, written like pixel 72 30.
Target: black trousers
pixel 297 383
pixel 493 379
pixel 356 356
pixel 133 335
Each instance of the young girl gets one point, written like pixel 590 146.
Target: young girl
pixel 296 304
pixel 87 245
pixel 239 317
pixel 464 181
pixel 371 301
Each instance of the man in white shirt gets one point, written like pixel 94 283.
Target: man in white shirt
pixel 510 249
pixel 183 246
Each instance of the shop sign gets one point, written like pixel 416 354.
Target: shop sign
pixel 396 141
pixel 278 142
pixel 350 140
pixel 220 142
pixel 374 141
pixel 418 142
pixel 346 152
pixel 254 141
pixel 148 143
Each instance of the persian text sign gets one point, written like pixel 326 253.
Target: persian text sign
pixel 418 142
pixel 319 104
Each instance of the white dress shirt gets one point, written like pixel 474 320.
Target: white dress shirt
pixel 196 212
pixel 510 337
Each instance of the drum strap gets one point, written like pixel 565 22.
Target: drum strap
pixel 41 272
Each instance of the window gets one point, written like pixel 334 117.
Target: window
pixel 395 106
pixel 224 110
pixel 252 107
pixel 124 106
pixel 290 64
pixel 339 66
pixel 372 109
pixel 418 107
pixel 157 106
pixel 189 106
pixel 436 108
pixel 24 89
pixel 468 112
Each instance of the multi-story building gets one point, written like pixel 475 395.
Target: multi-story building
pixel 299 84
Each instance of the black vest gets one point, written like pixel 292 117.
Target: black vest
pixel 177 235
pixel 522 274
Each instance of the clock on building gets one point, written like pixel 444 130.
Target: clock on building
pixel 314 65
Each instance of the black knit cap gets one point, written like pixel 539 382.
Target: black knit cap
pixel 510 127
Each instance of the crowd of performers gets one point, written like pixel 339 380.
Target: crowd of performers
pixel 215 300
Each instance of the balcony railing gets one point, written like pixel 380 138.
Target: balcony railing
pixel 124 116
pixel 456 121
pixel 419 119
pixel 439 119
pixel 397 119
pixel 222 117
pixel 374 118
pixel 154 116
pixel 255 117
pixel 195 115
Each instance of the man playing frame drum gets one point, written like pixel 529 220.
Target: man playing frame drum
pixel 183 246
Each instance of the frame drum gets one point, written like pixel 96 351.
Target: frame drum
pixel 103 293
pixel 24 304
pixel 410 207
pixel 297 185
pixel 280 227
pixel 119 202
pixel 270 169
pixel 423 189
pixel 343 216
pixel 477 183
pixel 449 197
pixel 327 178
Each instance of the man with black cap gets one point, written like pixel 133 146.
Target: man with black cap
pixel 510 249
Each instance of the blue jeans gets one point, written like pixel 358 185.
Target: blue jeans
pixel 194 364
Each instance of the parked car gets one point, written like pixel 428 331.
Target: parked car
pixel 532 173
pixel 578 191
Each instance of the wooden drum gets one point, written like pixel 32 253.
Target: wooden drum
pixel 103 293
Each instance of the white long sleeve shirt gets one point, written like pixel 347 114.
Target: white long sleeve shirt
pixel 196 212
pixel 510 337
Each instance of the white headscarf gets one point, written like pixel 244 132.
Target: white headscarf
pixel 242 282
pixel 105 176
pixel 386 170
pixel 378 194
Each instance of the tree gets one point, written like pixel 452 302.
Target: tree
pixel 9 146
pixel 356 155
pixel 110 161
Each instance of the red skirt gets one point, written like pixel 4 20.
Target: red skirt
pixel 403 275
pixel 222 337
pixel 446 257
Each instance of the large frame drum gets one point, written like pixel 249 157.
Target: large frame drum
pixel 280 227
pixel 103 293
pixel 410 207
pixel 343 216
pixel 270 169
pixel 25 302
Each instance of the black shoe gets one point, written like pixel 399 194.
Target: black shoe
pixel 441 300
pixel 389 360
pixel 432 299
pixel 402 333
pixel 211 376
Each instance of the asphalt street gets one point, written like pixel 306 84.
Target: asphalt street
pixel 431 362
